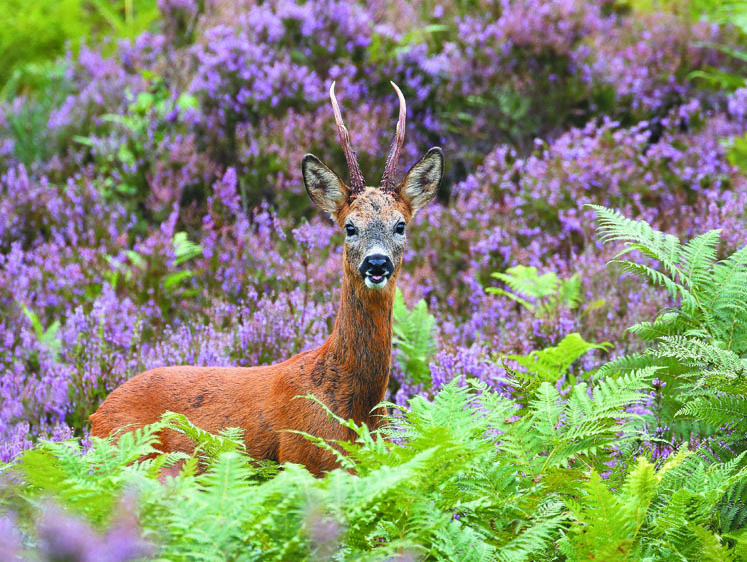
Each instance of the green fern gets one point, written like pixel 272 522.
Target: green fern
pixel 414 339
pixel 669 513
pixel 713 293
pixel 208 446
pixel 185 249
pixel 732 508
pixel 468 475
pixel 46 336
pixel 725 410
pixel 547 291
pixel 552 363
pixel 701 345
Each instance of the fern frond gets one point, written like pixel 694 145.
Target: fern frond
pixel 527 281
pixel 208 446
pixel 569 291
pixel 536 538
pixel 516 298
pixel 674 289
pixel 414 337
pixel 547 409
pixel 669 323
pixel 624 364
pixel 698 258
pixel 665 248
pixel 733 507
pixel 457 542
pixel 694 352
pixel 184 248
pixel 726 301
pixel 551 363
pixel 720 411
pixel 603 528
pixel 132 445
pixel 617 393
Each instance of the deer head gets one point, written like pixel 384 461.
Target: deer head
pixel 374 218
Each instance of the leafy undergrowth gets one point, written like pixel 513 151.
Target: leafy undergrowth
pixel 475 477
pixel 546 469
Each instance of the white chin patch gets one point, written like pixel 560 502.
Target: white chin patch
pixel 371 285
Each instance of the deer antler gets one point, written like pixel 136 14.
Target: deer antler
pixel 356 177
pixel 387 180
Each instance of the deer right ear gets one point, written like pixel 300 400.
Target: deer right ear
pixel 325 188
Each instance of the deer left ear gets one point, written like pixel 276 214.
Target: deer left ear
pixel 421 183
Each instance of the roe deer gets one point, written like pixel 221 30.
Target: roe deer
pixel 349 372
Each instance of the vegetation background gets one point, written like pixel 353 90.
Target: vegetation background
pixel 546 405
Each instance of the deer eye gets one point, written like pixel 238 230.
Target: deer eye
pixel 400 228
pixel 350 230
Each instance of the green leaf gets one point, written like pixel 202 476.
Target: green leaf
pixel 414 338
pixel 174 279
pixel 554 362
pixel 184 249
pixel 526 281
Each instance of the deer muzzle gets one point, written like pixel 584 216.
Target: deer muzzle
pixel 376 270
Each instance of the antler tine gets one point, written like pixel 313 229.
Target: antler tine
pixel 388 179
pixel 356 177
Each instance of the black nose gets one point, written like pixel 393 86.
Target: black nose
pixel 376 264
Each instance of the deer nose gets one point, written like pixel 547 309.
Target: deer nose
pixel 376 267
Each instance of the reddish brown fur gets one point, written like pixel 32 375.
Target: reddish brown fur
pixel 349 373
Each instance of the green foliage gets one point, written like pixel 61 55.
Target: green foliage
pixel 414 338
pixel 125 18
pixel 45 87
pixel 701 344
pixel 470 475
pixel 732 13
pixel 46 336
pixel 665 514
pixel 158 275
pixel 552 363
pixel 469 481
pixel 36 32
pixel 721 11
pixel 556 433
pixel 184 249
pixel 546 292
pixel 89 483
pixel 737 152
pixel 720 79
pixel 129 159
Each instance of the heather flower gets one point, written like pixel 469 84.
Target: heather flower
pixel 63 536
pixel 738 103
pixel 324 532
pixel 10 539
pixel 466 362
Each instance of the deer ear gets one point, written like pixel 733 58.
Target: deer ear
pixel 325 188
pixel 421 183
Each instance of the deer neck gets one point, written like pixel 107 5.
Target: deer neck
pixel 360 347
